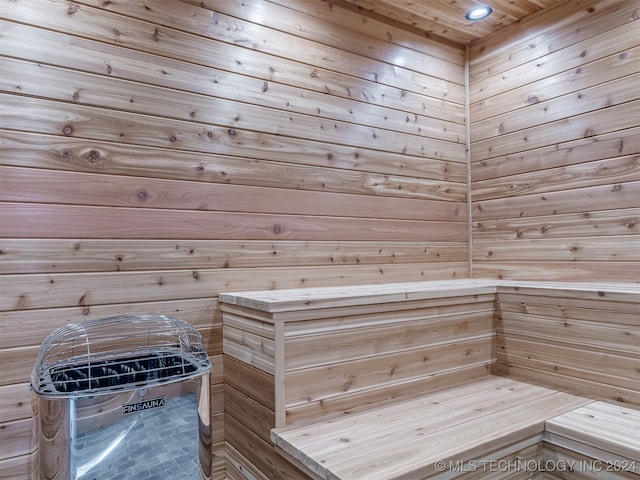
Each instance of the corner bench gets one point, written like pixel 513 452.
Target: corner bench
pixel 384 381
pixel 461 428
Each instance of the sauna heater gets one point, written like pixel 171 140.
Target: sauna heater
pixel 124 398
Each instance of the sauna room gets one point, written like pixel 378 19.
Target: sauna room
pixel 403 236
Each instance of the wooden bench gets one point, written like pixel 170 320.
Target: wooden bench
pixel 471 427
pixel 328 357
pixel 600 438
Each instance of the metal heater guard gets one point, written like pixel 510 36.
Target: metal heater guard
pixel 114 375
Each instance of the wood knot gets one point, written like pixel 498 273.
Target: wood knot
pixel 94 156
pixel 142 195
pixel 277 229
pixel 67 129
pixel 72 9
pixel 232 132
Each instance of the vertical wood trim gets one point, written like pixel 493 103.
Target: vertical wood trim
pixel 467 124
pixel 279 377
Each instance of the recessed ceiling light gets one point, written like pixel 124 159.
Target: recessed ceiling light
pixel 478 13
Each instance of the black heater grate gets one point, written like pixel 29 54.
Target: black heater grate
pixel 114 375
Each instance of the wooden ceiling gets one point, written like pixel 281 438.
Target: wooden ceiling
pixel 446 18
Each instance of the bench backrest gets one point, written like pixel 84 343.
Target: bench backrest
pixel 584 338
pixel 336 350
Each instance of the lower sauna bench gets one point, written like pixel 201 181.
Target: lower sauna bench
pixel 601 439
pixel 474 427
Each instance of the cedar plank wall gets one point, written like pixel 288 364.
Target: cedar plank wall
pixel 155 153
pixel 555 139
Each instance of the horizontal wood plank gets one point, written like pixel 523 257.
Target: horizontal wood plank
pixel 35 255
pixel 326 348
pixel 559 271
pixel 55 117
pixel 605 120
pixel 544 34
pixel 594 390
pixel 318 14
pixel 583 312
pixel 15 402
pixel 251 413
pixel 588 75
pixel 323 382
pixel 614 249
pixel 437 180
pixel 16 439
pixel 391 296
pixel 599 147
pixel 62 221
pixel 585 224
pixel 19 468
pixel 283 21
pixel 250 381
pixel 360 318
pixel 26 185
pixel 604 95
pixel 92 23
pixel 91 289
pixel 353 19
pixel 585 358
pixel 91 56
pixel 31 78
pixel 58 48
pixel 603 197
pixel 611 172
pixel 249 348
